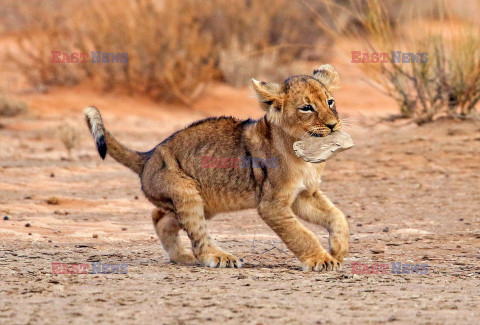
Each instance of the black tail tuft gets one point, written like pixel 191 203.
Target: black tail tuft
pixel 102 146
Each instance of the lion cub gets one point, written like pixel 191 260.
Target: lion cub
pixel 224 164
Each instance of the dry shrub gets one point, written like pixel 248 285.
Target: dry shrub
pixel 10 107
pixel 169 59
pixel 69 136
pixel 263 39
pixel 175 47
pixel 53 200
pixel 447 85
pixel 239 64
pixel 44 32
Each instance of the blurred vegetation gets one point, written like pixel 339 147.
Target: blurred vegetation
pixel 69 136
pixel 447 85
pixel 177 47
pixel 10 107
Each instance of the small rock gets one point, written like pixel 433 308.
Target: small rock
pixel 124 229
pixel 82 246
pixel 359 225
pixel 95 235
pixel 52 175
pixel 136 197
pixel 27 225
pixel 385 229
pixel 6 218
pixel 29 233
pixel 53 200
pixel 377 250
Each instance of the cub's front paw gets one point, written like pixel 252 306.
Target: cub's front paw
pixel 218 258
pixel 320 262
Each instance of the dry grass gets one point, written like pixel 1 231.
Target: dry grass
pixel 10 107
pixel 239 64
pixel 69 136
pixel 448 85
pixel 175 48
pixel 53 200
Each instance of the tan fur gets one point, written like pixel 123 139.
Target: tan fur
pixel 186 193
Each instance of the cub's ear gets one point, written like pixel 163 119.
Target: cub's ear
pixel 328 76
pixel 268 94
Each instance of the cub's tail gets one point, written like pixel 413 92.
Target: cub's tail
pixel 106 143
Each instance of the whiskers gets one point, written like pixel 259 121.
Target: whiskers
pixel 347 126
pixel 349 123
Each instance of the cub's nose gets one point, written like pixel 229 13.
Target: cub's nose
pixel 331 126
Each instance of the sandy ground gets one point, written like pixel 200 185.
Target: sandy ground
pixel 411 195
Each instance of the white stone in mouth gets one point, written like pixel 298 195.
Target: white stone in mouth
pixel 319 149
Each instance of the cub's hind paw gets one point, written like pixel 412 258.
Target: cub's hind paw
pixel 320 262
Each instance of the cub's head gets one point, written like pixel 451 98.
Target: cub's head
pixel 302 104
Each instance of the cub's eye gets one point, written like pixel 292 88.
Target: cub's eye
pixel 307 108
pixel 330 102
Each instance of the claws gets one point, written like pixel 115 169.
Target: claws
pixel 322 262
pixel 221 260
